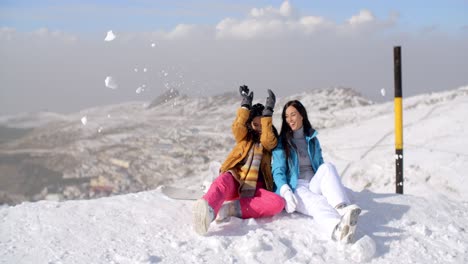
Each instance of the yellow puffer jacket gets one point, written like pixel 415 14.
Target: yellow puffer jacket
pixel 240 151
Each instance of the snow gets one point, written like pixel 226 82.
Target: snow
pixel 84 120
pixel 428 224
pixel 110 36
pixel 382 91
pixel 110 82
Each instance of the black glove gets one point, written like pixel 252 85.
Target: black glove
pixel 270 104
pixel 246 97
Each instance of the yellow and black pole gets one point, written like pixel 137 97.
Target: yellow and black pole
pixel 398 120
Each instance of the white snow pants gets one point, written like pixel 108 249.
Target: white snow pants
pixel 319 197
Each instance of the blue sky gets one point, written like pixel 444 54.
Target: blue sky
pixel 54 50
pixel 82 16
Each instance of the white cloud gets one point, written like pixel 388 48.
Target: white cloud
pixel 364 16
pixel 180 31
pixel 7 30
pixel 286 9
pixel 7 33
pixel 312 24
pixel 273 22
pixel 366 24
pixel 311 21
pixel 257 12
pixel 41 34
pixel 282 48
pixel 260 22
pixel 264 12
pixel 46 34
pixel 186 32
pixel 249 28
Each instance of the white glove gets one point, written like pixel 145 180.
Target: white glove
pixel 289 197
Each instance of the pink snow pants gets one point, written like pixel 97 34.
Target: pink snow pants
pixel 225 188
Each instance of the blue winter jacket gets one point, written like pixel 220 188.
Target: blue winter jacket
pixel 284 175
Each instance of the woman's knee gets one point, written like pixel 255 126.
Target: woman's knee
pixel 271 202
pixel 225 179
pixel 328 166
pixel 277 203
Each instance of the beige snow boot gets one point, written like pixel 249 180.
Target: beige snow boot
pixel 345 230
pixel 203 215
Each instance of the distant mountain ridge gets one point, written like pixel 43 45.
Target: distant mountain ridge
pixel 131 147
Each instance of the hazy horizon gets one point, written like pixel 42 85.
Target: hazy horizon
pixel 50 64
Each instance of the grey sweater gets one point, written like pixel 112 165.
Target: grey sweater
pixel 305 167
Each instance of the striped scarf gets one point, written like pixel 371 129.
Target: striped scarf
pixel 248 173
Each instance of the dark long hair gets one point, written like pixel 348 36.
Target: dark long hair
pixel 286 133
pixel 256 110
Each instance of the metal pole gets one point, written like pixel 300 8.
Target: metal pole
pixel 398 120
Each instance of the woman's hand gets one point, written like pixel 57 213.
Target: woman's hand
pixel 270 104
pixel 289 197
pixel 246 97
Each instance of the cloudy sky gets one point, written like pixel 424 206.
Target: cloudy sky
pixel 54 57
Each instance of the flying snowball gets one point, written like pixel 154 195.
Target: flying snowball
pixel 84 120
pixel 153 45
pixel 110 36
pixel 110 82
pixel 382 91
pixel 99 130
pixel 139 90
pixel 145 70
pixel 135 70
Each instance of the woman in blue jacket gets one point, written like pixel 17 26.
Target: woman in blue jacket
pixel 308 184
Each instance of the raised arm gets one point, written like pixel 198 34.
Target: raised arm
pixel 239 130
pixel 268 138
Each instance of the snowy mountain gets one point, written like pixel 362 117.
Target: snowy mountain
pixel 130 147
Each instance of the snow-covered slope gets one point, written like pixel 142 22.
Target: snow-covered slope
pixel 146 227
pixel 435 136
pixel 425 225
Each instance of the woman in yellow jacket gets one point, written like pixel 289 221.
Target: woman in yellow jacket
pixel 245 180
